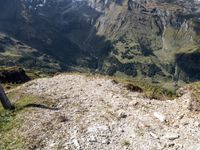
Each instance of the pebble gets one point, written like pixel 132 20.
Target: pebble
pixel 153 135
pixel 122 114
pixel 171 136
pixel 121 130
pixel 160 116
pixel 115 96
pixel 105 141
pixel 171 145
pixel 198 147
pixel 76 144
pixel 93 139
pixel 197 124
pixel 133 103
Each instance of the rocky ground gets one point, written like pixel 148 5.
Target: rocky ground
pixel 95 113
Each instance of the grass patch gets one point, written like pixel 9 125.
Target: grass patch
pixel 160 93
pixel 149 90
pixel 9 138
pixel 11 121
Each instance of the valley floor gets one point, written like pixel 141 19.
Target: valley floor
pixel 94 113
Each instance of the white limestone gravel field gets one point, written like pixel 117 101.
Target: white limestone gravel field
pixel 97 114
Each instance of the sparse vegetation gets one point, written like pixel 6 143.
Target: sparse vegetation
pixel 126 143
pixel 8 126
pixel 194 88
pixel 100 104
pixel 148 49
pixel 148 89
pixel 144 86
pixel 11 121
pixel 133 88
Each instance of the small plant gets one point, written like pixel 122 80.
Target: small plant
pixel 126 143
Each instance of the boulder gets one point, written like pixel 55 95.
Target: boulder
pixel 13 75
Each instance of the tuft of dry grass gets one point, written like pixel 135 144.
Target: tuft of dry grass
pixel 194 89
pixel 126 143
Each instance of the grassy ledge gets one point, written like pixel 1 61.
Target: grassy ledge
pixel 147 89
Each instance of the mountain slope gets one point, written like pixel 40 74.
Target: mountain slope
pixel 147 38
pixel 16 53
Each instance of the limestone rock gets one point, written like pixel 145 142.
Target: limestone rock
pixel 159 116
pixel 171 136
pixel 122 114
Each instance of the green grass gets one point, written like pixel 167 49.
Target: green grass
pixel 10 54
pixel 11 121
pixel 147 89
pixel 4 68
pixel 9 138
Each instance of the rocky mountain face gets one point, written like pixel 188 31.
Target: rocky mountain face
pixel 16 53
pixel 139 38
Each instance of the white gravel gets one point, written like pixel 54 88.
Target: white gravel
pixel 97 114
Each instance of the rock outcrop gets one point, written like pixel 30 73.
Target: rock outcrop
pixel 13 75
